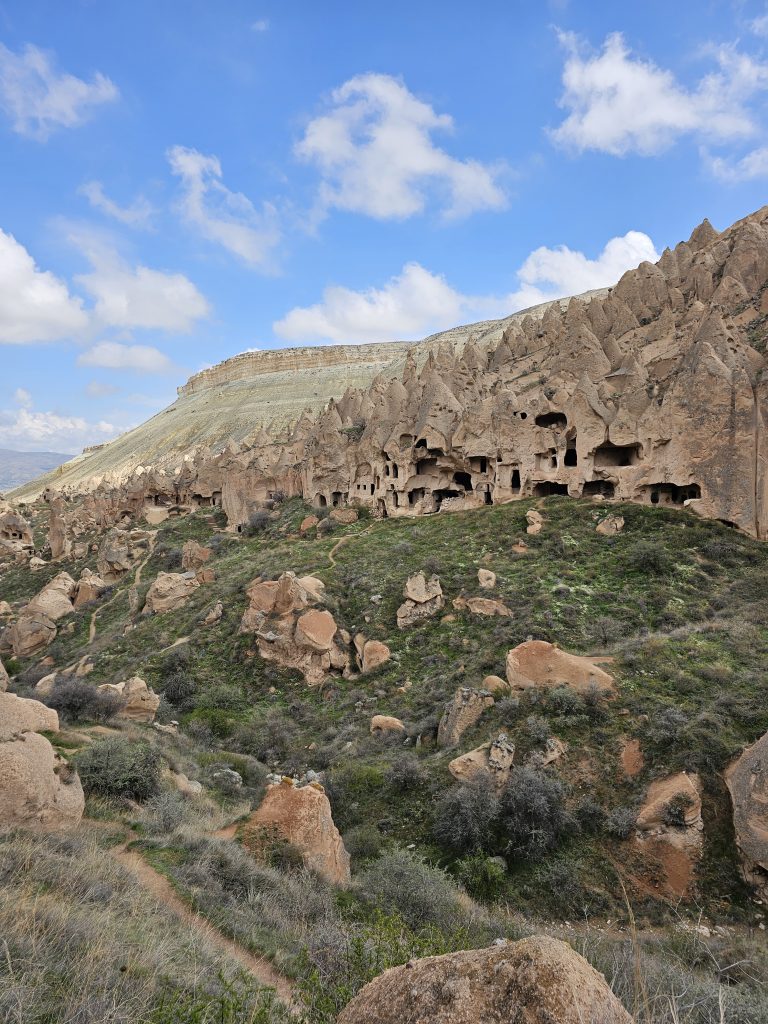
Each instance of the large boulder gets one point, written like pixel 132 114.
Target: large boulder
pixel 370 653
pixel 140 701
pixel 537 663
pixel 90 587
pixel 3 677
pixel 32 632
pixel 539 980
pixel 482 606
pixel 381 724
pixel 194 555
pixel 423 598
pixel 38 788
pixel 747 781
pixel 301 816
pixel 171 590
pixel 461 714
pixel 316 629
pixel 55 599
pixel 493 760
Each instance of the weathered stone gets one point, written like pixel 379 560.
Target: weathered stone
pixel 301 816
pixel 539 980
pixel 344 516
pixel 5 610
pixel 31 633
pixel 141 701
pixel 374 654
pixel 3 677
pixel 535 522
pixel 44 687
pixel 39 789
pixel 495 684
pixel 537 663
pixel 631 758
pixel 169 591
pixel 18 714
pixel 214 615
pixel 610 526
pixel 308 523
pixel 386 724
pixel 423 598
pixel 493 760
pixel 482 606
pixel 194 555
pixel 316 629
pixel 461 714
pixel 55 599
pixel 747 781
pixel 486 579
pixel 670 831
pixel 89 588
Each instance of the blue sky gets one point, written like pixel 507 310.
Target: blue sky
pixel 180 182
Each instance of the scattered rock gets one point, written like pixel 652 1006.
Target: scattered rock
pixel 214 615
pixel 747 781
pixel 89 588
pixel 539 980
pixel 495 684
pixel 370 653
pixel 554 749
pixel 482 606
pixel 535 521
pixel 32 632
pixel 422 599
pixel 141 701
pixel 610 526
pixel 537 663
pixel 493 759
pixel 194 555
pixel 44 687
pixel 171 590
pixel 5 610
pixel 308 523
pixel 386 724
pixel 486 579
pixel 301 816
pixel 345 516
pixel 18 714
pixel 461 714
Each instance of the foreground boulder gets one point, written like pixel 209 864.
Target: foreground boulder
pixel 537 663
pixel 3 678
pixel 32 632
pixel 423 598
pixel 171 590
pixel 301 816
pixel 747 781
pixel 539 980
pixel 461 714
pixel 39 789
pixel 140 702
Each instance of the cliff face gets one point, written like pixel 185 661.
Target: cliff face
pixel 654 392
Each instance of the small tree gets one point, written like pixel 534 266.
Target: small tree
pixel 116 767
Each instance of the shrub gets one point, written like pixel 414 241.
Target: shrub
pixel 405 774
pixel 537 729
pixel 533 816
pixel 363 843
pixel 590 815
pixel 179 689
pixel 78 701
pixel 675 809
pixel 646 557
pixel 465 817
pixel 481 876
pixel 257 523
pixel 164 812
pixel 565 701
pixel 402 883
pixel 117 767
pixel 620 823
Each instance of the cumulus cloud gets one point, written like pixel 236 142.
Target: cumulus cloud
pixel 28 430
pixel 622 104
pixel 22 397
pixel 417 302
pixel 136 214
pixel 137 297
pixel 262 25
pixel 228 218
pixel 113 355
pixel 38 99
pixel 375 151
pixel 747 168
pixel 759 26
pixel 35 306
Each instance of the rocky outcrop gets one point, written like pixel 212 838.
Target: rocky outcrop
pixel 482 606
pixel 535 522
pixel 90 587
pixel 55 599
pixel 423 599
pixel 139 701
pixel 493 760
pixel 386 724
pixel 39 789
pixel 3 678
pixel 194 556
pixel 610 526
pixel 301 816
pixel 670 832
pixel 16 540
pixel 31 633
pixel 119 552
pixel 747 781
pixel 169 591
pixel 539 980
pixel 214 615
pixel 461 714
pixel 371 654
pixel 537 663
pixel 486 579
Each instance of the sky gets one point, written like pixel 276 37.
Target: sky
pixel 181 182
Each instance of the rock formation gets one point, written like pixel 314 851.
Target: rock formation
pixel 423 599
pixel 3 678
pixel 90 587
pixel 301 816
pixel 386 724
pixel 670 831
pixel 140 702
pixel 461 714
pixel 194 556
pixel 492 760
pixel 537 663
pixel 539 980
pixel 171 590
pixel 747 781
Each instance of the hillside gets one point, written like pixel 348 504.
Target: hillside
pixel 17 468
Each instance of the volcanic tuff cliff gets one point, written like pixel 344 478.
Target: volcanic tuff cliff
pixel 653 392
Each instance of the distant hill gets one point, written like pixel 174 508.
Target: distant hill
pixel 16 468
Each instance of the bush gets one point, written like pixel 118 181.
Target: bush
pixel 363 843
pixel 78 701
pixel 565 701
pixel 402 883
pixel 405 774
pixel 620 823
pixel 646 557
pixel 533 816
pixel 481 876
pixel 257 523
pixel 164 813
pixel 116 767
pixel 537 729
pixel 465 817
pixel 179 689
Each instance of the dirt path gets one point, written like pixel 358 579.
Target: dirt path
pixel 136 582
pixel 346 540
pixel 161 889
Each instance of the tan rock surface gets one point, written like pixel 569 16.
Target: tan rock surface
pixel 214 615
pixel 386 724
pixel 535 522
pixel 344 516
pixel 141 701
pixel 194 555
pixel 18 714
pixel 39 790
pixel 169 591
pixel 482 606
pixel 89 588
pixel 610 526
pixel 423 598
pixel 670 832
pixel 495 684
pixel 308 523
pixel 55 599
pixel 301 816
pixel 3 678
pixel 486 579
pixel 461 714
pixel 537 663
pixel 31 633
pixel 375 653
pixel 493 760
pixel 316 629
pixel 747 781
pixel 539 980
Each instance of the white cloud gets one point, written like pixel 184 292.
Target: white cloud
pixel 375 152
pixel 22 397
pixel 228 218
pixel 137 214
pixel 137 297
pixel 753 165
pixel 39 99
pixel 417 302
pixel 35 306
pixel 262 25
pixel 620 104
pixel 99 389
pixel 27 430
pixel 113 355
pixel 759 26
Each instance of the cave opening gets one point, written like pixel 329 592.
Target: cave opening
pixel 571 458
pixel 463 480
pixel 616 455
pixel 549 487
pixel 558 420
pixel 604 488
pixel 516 481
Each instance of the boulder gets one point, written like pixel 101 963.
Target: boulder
pixel 194 555
pixel 482 606
pixel 44 687
pixel 40 790
pixel 495 684
pixel 141 701
pixel 55 599
pixel 301 816
pixel 214 615
pixel 537 663
pixel 171 590
pixel 492 760
pixel 3 677
pixel 386 724
pixel 5 610
pixel 535 522
pixel 461 714
pixel 89 588
pixel 610 526
pixel 32 632
pixel 486 579
pixel 308 523
pixel 373 654
pixel 345 516
pixel 670 832
pixel 747 781
pixel 423 598
pixel 316 629
pixel 539 980
pixel 18 714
